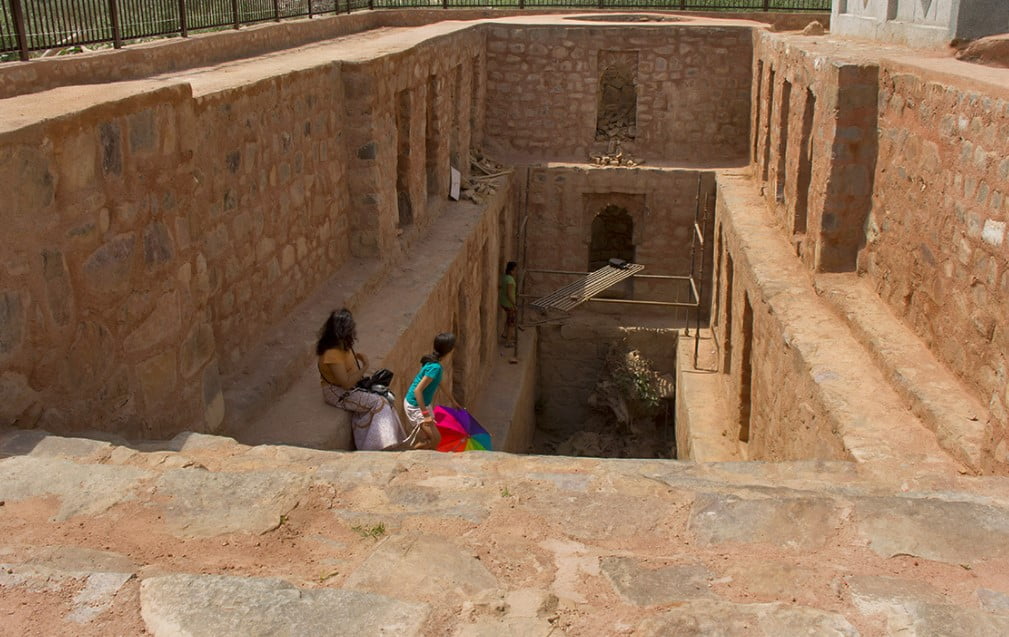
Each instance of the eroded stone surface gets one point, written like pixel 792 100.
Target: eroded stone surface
pixel 943 530
pixel 82 489
pixel 786 521
pixel 202 503
pixel 195 605
pixel 411 567
pixel 647 586
pixel 725 618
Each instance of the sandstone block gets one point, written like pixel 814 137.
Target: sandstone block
pixel 78 162
pixel 993 601
pixel 197 349
pixel 164 321
pixel 955 532
pixel 143 133
pixel 213 398
pixel 204 504
pixel 211 605
pixel 157 244
pixel 112 152
pixel 108 268
pixel 15 397
pixel 82 489
pixel 792 522
pixel 89 359
pixel 916 608
pixel 644 586
pixel 28 169
pixel 58 291
pixel 704 617
pixel 158 377
pixel 12 322
pixel 412 567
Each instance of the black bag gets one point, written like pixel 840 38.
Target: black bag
pixel 377 382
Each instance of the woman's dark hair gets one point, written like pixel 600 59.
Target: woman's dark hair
pixel 338 332
pixel 443 344
pixel 510 267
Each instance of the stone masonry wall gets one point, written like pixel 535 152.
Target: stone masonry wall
pixel 177 230
pixel 693 88
pixel 936 239
pixel 788 420
pixel 436 79
pixel 275 189
pixel 104 304
pixel 563 201
pixel 820 188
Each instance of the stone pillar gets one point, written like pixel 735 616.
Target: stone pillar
pixel 920 23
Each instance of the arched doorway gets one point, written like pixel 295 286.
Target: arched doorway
pixel 612 238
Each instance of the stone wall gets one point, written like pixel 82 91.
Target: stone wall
pixel 692 83
pixel 104 304
pixel 563 201
pixel 775 406
pixel 437 88
pixel 275 221
pixel 177 229
pixel 143 59
pixel 813 146
pixel 936 239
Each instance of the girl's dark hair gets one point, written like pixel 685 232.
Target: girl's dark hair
pixel 443 344
pixel 338 332
pixel 510 267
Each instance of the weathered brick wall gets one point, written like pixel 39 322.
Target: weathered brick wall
pixel 693 90
pixel 820 188
pixel 563 201
pixel 936 238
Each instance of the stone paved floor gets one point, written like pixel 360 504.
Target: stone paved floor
pixel 204 536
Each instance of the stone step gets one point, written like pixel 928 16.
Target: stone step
pixel 931 391
pixel 222 538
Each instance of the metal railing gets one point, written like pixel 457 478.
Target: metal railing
pixel 39 25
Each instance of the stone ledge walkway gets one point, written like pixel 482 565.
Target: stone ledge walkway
pixel 934 393
pixel 276 398
pixel 204 536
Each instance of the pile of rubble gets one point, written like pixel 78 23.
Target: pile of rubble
pixel 616 156
pixel 483 173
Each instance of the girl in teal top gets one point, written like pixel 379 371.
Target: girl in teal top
pixel 418 400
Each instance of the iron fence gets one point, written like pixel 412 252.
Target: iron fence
pixel 38 25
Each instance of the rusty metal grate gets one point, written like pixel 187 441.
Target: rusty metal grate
pixel 574 294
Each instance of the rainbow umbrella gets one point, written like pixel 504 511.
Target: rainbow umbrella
pixel 459 430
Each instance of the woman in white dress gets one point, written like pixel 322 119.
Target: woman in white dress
pixel 375 422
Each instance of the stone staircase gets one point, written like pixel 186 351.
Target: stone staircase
pixel 202 535
pixel 932 392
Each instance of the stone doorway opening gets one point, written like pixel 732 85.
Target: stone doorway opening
pixel 617 116
pixel 612 237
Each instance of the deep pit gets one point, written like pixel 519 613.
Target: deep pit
pixel 822 228
pixel 201 232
